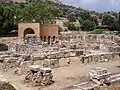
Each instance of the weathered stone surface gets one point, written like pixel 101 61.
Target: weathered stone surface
pixel 39 76
pixel 97 48
pixel 85 86
pixel 53 63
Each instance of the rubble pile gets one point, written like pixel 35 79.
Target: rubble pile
pixel 39 76
pixel 102 77
pixel 100 74
pixel 31 39
pixel 38 51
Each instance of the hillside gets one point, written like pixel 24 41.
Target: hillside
pixel 55 1
pixel 24 1
pixel 18 1
pixel 46 11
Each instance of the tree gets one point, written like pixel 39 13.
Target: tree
pixel 38 12
pixel 6 18
pixel 18 15
pixel 109 20
pixel 87 25
pixel 71 27
pixel 115 14
pixel 71 17
pixel 1 17
pixel 84 15
pixel 119 24
pixel 94 19
pixel 100 15
pixel 9 18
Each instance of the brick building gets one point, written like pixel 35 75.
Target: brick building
pixel 43 31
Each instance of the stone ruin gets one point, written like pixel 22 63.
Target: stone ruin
pixel 91 47
pixel 39 76
pixel 88 48
pixel 35 50
pixel 85 86
pixel 98 77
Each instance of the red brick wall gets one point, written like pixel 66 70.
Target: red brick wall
pixel 39 29
pixel 49 30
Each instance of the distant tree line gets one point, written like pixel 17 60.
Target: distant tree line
pixel 12 14
pixel 89 21
pixel 48 12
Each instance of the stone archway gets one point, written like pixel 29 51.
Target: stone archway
pixel 28 28
pixel 28 31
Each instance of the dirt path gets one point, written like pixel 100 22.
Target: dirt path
pixel 63 76
pixel 67 76
pixel 17 81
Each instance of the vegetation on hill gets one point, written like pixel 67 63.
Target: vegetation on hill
pixel 47 11
pixel 54 1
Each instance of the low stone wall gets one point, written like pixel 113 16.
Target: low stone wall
pixel 53 63
pixel 97 58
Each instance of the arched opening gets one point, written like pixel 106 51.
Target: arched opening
pixel 28 31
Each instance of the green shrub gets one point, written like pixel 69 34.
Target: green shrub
pixel 71 27
pixel 87 25
pixel 98 31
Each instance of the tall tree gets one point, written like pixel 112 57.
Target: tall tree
pixel 8 14
pixel 1 17
pixel 71 17
pixel 87 25
pixel 109 20
pixel 6 18
pixel 84 15
pixel 94 19
pixel 38 12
